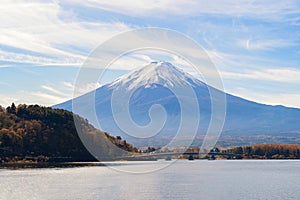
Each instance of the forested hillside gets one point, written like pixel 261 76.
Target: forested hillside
pixel 267 151
pixel 32 131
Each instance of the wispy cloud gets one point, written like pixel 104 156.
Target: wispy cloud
pixel 51 95
pixel 7 100
pixel 287 99
pixel 278 75
pixel 266 44
pixel 69 85
pixel 42 28
pixel 266 9
pixel 46 98
pixel 53 90
pixel 35 97
pixel 40 60
pixel 246 39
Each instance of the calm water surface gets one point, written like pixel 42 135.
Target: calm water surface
pixel 183 180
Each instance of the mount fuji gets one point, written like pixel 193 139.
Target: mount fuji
pixel 156 82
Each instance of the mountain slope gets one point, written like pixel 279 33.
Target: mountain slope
pixel 155 84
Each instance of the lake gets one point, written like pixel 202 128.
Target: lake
pixel 198 179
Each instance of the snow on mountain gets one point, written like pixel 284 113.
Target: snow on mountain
pixel 158 72
pixel 154 83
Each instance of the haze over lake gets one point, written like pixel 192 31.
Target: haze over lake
pixel 199 179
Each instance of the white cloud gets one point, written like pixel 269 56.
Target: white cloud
pixel 69 85
pixel 286 99
pixel 50 34
pixel 40 27
pixel 85 88
pixel 278 75
pixel 131 61
pixel 7 100
pixel 29 97
pixel 46 98
pixel 40 60
pixel 266 9
pixel 53 90
pixel 46 95
pixel 265 44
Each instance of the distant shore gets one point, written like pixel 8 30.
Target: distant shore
pixel 33 165
pixel 255 152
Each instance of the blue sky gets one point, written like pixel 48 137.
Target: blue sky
pixel 255 45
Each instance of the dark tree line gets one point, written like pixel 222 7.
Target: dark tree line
pixel 268 151
pixel 35 131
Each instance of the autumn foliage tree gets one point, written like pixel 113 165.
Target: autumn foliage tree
pixel 32 130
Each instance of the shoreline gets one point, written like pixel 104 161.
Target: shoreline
pixel 34 165
pixel 49 165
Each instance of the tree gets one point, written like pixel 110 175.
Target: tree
pixel 238 150
pixel 118 139
pixel 12 109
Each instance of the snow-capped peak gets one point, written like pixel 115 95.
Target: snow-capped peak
pixel 156 73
